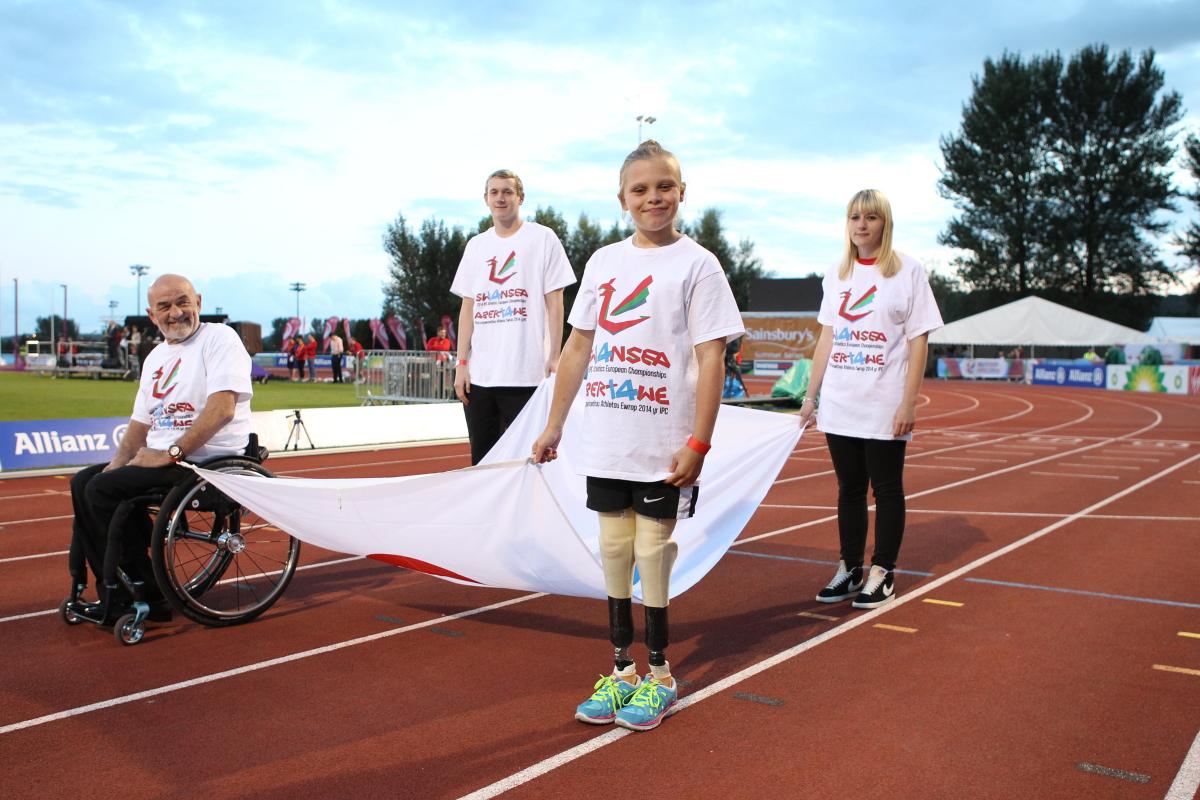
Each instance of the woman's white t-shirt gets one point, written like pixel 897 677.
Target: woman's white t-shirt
pixel 649 308
pixel 508 279
pixel 177 380
pixel 873 319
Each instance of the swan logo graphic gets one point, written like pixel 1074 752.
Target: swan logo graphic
pixel 509 264
pixel 633 300
pixel 168 385
pixel 862 302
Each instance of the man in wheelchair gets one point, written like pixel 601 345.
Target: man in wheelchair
pixel 193 403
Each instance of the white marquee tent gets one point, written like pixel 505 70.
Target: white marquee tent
pixel 1036 321
pixel 1181 330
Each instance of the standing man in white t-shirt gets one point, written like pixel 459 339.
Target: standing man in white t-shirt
pixel 510 325
pixel 193 403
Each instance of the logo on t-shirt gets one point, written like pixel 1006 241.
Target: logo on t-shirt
pixel 169 384
pixel 633 300
pixel 862 302
pixel 510 263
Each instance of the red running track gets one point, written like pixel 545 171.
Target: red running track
pixel 1046 643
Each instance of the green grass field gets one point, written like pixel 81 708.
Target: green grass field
pixel 25 395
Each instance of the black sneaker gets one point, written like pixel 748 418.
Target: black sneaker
pixel 845 584
pixel 879 590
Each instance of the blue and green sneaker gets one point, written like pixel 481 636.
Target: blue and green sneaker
pixel 649 706
pixel 601 708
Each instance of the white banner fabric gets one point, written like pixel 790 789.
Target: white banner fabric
pixel 509 523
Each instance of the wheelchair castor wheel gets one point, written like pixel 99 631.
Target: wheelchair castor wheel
pixel 127 631
pixel 68 616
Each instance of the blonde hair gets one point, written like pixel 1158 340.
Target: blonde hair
pixel 506 173
pixel 646 151
pixel 887 261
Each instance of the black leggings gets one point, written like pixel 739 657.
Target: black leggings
pixel 881 463
pixel 490 410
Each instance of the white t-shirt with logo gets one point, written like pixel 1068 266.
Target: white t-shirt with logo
pixel 508 279
pixel 649 308
pixel 177 380
pixel 873 319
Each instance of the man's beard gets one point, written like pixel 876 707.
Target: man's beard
pixel 181 329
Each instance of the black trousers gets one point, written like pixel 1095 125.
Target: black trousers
pixel 879 462
pixel 489 413
pixel 97 497
pixel 336 361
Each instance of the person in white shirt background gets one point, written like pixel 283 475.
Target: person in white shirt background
pixel 649 328
pixel 876 315
pixel 510 324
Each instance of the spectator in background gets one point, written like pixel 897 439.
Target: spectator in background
pixel 1017 353
pixel 357 353
pixel 289 349
pixel 440 344
pixel 135 346
pixel 310 355
pixel 301 353
pixel 336 348
pixel 1092 355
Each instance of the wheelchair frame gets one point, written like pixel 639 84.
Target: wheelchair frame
pixel 200 536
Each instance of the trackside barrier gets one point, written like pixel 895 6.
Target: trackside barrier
pixel 37 444
pixel 405 376
pixel 1152 378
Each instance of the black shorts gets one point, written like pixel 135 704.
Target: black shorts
pixel 655 499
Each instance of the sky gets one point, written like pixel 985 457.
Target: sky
pixel 252 145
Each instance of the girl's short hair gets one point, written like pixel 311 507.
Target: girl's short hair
pixel 887 261
pixel 506 173
pixel 646 151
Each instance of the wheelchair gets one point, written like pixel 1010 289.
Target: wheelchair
pixel 214 560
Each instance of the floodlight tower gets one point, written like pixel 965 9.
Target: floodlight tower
pixel 298 288
pixel 139 270
pixel 646 118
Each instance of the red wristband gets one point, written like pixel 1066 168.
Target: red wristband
pixel 462 362
pixel 700 447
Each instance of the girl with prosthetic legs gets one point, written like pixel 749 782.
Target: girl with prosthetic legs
pixel 649 329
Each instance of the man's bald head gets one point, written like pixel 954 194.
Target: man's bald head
pixel 174 306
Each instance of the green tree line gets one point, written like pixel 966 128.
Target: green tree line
pixel 1061 176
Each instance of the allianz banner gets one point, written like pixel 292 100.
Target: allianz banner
pixel 33 444
pixel 1090 376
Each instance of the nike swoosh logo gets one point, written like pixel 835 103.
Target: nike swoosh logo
pixel 654 499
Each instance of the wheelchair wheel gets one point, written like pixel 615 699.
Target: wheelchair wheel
pixel 68 616
pixel 215 560
pixel 127 632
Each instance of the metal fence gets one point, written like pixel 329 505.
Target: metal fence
pixel 404 376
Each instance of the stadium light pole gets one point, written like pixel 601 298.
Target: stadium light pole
pixel 298 288
pixel 112 307
pixel 139 270
pixel 646 118
pixel 66 330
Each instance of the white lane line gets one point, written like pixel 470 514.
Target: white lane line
pixel 1192 482
pixel 298 569
pixel 1101 466
pixel 47 493
pixel 274 662
pixel 972 458
pixel 1187 781
pixel 1075 475
pixel 376 463
pixel 1032 514
pixel 942 466
pixel 565 757
pixel 1098 457
pixel 36 555
pixel 35 519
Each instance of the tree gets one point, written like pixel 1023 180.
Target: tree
pixel 740 263
pixel 1060 172
pixel 43 328
pixel 1110 144
pixel 994 171
pixel 1188 241
pixel 422 270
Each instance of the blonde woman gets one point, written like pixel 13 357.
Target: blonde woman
pixel 876 316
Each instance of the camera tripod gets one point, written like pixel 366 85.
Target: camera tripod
pixel 298 427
